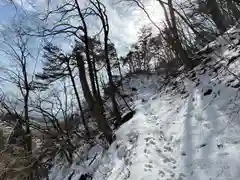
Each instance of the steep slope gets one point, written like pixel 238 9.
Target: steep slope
pixel 190 130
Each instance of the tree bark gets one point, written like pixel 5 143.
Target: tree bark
pixel 78 98
pixel 104 19
pixel 233 8
pixel 27 136
pixel 95 106
pixel 86 42
pixel 175 40
pixel 217 16
pixel 83 81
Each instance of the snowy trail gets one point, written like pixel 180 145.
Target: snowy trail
pixel 175 138
pixel 147 143
pixel 156 148
pixel 207 127
pixel 176 135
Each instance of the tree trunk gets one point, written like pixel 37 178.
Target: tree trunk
pixel 113 87
pixel 86 42
pixel 27 136
pixel 175 40
pixel 96 79
pixel 120 72
pixel 78 98
pixel 165 13
pixel 217 16
pixel 83 80
pixel 104 20
pixel 233 8
pixel 102 123
pixel 95 106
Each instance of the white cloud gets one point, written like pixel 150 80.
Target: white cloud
pixel 39 6
pixel 124 21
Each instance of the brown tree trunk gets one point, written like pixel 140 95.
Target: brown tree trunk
pixel 120 72
pixel 102 123
pixel 182 55
pixel 96 106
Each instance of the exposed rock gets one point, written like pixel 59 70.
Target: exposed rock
pixel 207 92
pixel 134 89
pixel 232 59
pixel 125 118
pixel 202 145
pixel 183 153
pixel 236 85
pixel 85 177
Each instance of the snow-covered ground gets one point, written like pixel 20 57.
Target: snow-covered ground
pixel 178 136
pixel 189 130
pixel 172 137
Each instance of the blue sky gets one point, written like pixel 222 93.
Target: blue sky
pixel 6 12
pixel 125 21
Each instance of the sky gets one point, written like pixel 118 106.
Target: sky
pixel 125 21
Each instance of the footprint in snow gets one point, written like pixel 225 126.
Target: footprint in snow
pixel 172 175
pixel 166 160
pixel 148 138
pixel 161 173
pixel 223 154
pixel 148 166
pixel 152 142
pixel 147 170
pixel 167 149
pixel 159 151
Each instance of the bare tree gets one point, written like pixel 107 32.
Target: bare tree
pixel 58 65
pixel 16 47
pixel 218 18
pixel 100 11
pixel 80 32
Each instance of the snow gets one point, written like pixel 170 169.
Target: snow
pixel 172 137
pixel 79 167
pixel 190 131
pixel 175 138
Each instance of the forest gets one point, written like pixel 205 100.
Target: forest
pixel 69 85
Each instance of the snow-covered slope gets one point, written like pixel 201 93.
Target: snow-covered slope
pixel 187 130
pixel 189 134
pixel 172 137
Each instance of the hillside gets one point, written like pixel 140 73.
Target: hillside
pixel 119 90
pixel 187 129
